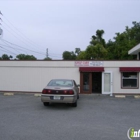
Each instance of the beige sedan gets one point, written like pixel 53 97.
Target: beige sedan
pixel 60 91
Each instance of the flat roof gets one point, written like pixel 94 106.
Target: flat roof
pixel 135 50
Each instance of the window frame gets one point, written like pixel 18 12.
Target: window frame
pixel 137 87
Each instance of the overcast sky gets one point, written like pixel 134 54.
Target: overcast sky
pixel 61 25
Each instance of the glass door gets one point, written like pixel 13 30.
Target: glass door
pixel 85 82
pixel 107 83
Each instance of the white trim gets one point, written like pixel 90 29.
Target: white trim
pixel 135 50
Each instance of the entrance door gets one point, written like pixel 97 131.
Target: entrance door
pixel 96 82
pixel 107 83
pixel 85 82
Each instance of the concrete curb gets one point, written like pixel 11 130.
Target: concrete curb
pixel 8 94
pixel 120 96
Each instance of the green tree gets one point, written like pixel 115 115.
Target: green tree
pixel 96 49
pixel 25 57
pixel 6 57
pixel 123 42
pixel 69 55
pixel 81 56
pixel 116 49
pixel 47 58
pixel 77 51
pixel 97 52
pixel 98 38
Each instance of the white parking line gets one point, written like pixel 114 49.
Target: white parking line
pixel 119 96
pixel 137 96
pixel 8 94
pixel 37 95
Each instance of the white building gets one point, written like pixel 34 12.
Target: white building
pixel 102 77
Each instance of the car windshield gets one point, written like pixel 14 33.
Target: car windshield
pixel 63 83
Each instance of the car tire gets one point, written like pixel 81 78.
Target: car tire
pixel 74 104
pixel 78 96
pixel 46 103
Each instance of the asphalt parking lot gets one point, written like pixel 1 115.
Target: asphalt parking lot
pixel 23 117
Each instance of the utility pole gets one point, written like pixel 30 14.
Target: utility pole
pixel 47 53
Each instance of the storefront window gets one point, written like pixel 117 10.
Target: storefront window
pixel 129 80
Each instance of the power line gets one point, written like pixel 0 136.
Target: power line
pixel 16 49
pixel 31 50
pixel 24 43
pixel 20 33
pixel 4 50
pixel 23 47
pixel 17 37
pixel 16 32
pixel 8 50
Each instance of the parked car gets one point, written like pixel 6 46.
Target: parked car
pixel 60 91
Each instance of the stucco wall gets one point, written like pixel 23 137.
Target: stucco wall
pixel 32 76
pixel 116 82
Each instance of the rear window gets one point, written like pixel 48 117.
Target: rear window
pixel 63 83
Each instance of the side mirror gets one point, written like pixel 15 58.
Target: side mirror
pixel 78 85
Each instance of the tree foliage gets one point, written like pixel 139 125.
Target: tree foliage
pixel 69 55
pixel 123 42
pixel 98 38
pixel 81 55
pixel 25 57
pixel 47 58
pixel 77 51
pixel 116 49
pixel 96 52
pixel 5 57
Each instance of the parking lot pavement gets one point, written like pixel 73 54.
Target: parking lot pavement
pixel 23 117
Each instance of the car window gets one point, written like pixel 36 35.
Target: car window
pixel 65 83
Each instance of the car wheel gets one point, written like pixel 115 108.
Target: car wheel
pixel 74 104
pixel 78 96
pixel 46 103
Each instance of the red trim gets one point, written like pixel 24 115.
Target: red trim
pixel 130 69
pixel 91 69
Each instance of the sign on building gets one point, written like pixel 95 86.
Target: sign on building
pixel 88 63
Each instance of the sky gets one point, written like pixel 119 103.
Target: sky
pixel 32 26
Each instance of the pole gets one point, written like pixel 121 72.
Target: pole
pixel 47 53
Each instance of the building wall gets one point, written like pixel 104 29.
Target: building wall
pixel 32 76
pixel 116 75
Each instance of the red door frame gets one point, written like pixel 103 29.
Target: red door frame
pixel 82 86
